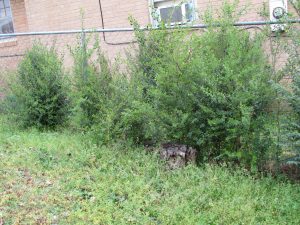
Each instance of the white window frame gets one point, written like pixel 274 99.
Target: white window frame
pixel 156 6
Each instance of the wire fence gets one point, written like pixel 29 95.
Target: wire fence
pixel 12 49
pixel 114 41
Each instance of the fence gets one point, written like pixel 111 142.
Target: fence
pixel 114 41
pixel 12 49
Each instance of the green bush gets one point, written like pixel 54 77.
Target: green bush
pixel 107 127
pixel 5 101
pixel 289 92
pixel 293 69
pixel 210 91
pixel 140 121
pixel 92 83
pixel 295 102
pixel 291 120
pixel 39 90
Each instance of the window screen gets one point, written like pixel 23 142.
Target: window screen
pixel 6 23
pixel 189 11
pixel 171 14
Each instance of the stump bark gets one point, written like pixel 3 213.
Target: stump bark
pixel 177 156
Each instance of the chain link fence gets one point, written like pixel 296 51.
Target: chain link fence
pixel 12 49
pixel 114 42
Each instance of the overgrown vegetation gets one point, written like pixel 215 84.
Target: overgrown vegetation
pixel 38 95
pixel 286 85
pixel 213 91
pixel 293 69
pixel 295 102
pixel 62 178
pixel 92 83
pixel 218 92
pixel 209 91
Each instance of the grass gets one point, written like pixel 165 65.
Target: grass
pixel 61 178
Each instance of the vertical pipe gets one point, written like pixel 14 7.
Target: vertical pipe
pixel 84 56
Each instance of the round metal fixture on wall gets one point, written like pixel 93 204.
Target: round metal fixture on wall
pixel 278 12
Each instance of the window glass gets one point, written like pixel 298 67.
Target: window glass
pixel 2 13
pixel 171 14
pixel 6 22
pixel 189 11
pixel 8 13
pixel 173 11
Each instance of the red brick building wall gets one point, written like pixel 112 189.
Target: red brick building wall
pixel 45 15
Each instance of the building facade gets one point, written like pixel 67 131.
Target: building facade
pixel 44 15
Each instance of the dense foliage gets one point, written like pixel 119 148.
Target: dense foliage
pixel 213 91
pixel 217 91
pixel 58 178
pixel 295 102
pixel 292 93
pixel 92 82
pixel 210 91
pixel 39 93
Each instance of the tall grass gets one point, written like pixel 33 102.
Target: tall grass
pixel 62 178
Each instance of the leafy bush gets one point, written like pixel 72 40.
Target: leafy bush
pixel 289 92
pixel 292 96
pixel 4 92
pixel 92 82
pixel 295 102
pixel 39 91
pixel 107 126
pixel 293 69
pixel 209 91
pixel 141 121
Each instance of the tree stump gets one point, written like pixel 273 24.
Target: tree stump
pixel 291 168
pixel 177 156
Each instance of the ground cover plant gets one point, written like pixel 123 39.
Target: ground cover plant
pixel 62 178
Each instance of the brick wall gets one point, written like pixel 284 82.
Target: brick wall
pixel 45 15
pixel 15 45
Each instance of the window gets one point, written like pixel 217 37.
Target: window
pixel 173 11
pixel 6 23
